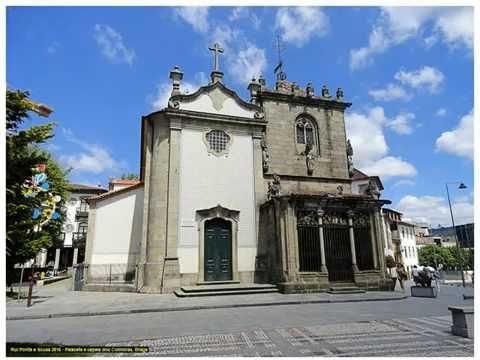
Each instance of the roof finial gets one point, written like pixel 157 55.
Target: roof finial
pixel 216 74
pixel 216 51
pixel 278 71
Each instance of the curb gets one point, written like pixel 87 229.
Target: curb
pixel 199 307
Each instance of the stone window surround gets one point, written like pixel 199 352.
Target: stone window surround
pixel 209 148
pixel 313 122
pixel 208 214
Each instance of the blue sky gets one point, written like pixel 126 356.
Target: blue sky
pixel 408 72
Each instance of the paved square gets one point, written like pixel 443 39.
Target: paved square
pixel 425 336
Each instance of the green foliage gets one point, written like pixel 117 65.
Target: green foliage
pixel 22 154
pixel 129 176
pixel 450 257
pixel 389 261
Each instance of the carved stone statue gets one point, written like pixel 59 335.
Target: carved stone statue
pixel 350 158
pixel 173 104
pixel 309 158
pixel 310 90
pixel 265 155
pixel 325 92
pixel 372 190
pixel 274 187
pixel 339 94
pixel 339 190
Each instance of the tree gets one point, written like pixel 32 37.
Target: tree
pixel 129 176
pixel 22 155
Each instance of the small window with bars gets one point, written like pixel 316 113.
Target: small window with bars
pixel 218 140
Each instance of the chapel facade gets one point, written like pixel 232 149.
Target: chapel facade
pixel 256 191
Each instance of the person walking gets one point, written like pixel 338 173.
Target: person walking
pixel 401 275
pixel 415 275
pixel 394 276
pixel 436 278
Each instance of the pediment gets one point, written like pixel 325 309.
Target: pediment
pixel 216 99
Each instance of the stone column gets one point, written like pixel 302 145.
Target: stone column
pixel 350 215
pixel 75 256
pixel 380 244
pixel 320 213
pixel 259 186
pixel 374 240
pixel 171 274
pixel 57 260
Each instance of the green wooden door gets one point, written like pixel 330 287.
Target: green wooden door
pixel 218 250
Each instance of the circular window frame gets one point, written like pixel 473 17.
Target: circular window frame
pixel 213 151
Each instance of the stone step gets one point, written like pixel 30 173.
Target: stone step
pixel 181 293
pixel 345 289
pixel 227 287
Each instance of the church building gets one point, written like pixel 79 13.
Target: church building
pixel 233 191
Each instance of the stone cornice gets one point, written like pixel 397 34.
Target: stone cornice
pixel 310 178
pixel 206 89
pixel 197 115
pixel 304 100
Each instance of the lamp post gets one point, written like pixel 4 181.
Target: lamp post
pixel 461 186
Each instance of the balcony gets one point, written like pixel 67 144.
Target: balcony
pixel 81 214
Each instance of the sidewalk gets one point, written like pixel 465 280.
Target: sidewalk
pixel 53 301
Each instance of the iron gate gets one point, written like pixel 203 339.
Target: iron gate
pixel 363 241
pixel 337 247
pixel 308 241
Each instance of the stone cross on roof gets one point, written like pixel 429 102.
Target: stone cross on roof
pixel 217 50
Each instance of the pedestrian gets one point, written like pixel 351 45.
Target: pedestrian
pixel 436 278
pixel 401 275
pixel 415 275
pixel 394 276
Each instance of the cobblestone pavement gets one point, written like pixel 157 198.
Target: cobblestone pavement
pixel 421 336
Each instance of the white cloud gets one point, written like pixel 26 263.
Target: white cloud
pixel 395 25
pixel 365 132
pixel 404 182
pixel 456 27
pixel 249 62
pixel 112 46
pixel 458 141
pixel 390 166
pixel 197 16
pixel 242 12
pixel 441 112
pixel 434 210
pixel 164 90
pixel 391 92
pixel 377 43
pixel 93 158
pixel 426 77
pixel 298 24
pixel 243 59
pixel 401 123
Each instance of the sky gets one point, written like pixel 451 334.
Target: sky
pixel 408 72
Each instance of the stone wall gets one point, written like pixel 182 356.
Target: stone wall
pixel 285 155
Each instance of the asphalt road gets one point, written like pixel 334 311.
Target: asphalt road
pixel 265 322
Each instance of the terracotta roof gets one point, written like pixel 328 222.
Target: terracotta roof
pixel 124 181
pixel 81 187
pixel 114 193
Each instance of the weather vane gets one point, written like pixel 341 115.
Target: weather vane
pixel 278 71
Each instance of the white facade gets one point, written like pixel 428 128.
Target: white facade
pixel 208 180
pixel 408 246
pixel 115 229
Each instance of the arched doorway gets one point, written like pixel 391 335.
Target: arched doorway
pixel 218 250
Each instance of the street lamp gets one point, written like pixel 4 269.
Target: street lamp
pixel 461 187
